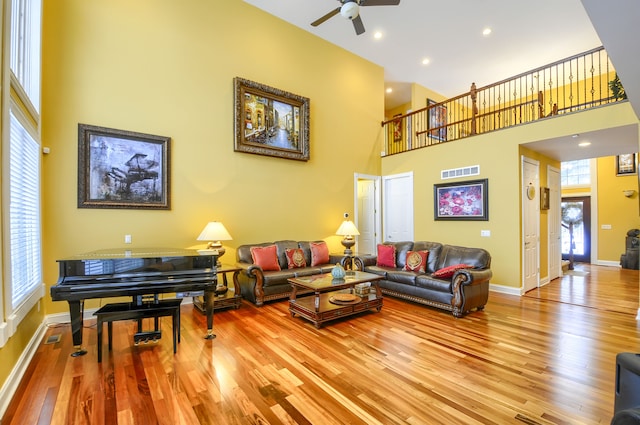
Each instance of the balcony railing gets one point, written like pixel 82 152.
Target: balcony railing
pixel 569 85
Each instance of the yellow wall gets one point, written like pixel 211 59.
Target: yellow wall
pixel 615 209
pixel 166 68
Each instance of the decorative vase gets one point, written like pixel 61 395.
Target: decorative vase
pixel 338 272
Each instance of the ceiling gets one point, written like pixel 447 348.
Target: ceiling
pixel 449 34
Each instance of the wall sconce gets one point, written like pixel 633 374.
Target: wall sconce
pixel 629 193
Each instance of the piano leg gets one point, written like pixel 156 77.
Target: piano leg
pixel 209 295
pixel 75 311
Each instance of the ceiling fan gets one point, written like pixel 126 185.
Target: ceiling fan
pixel 350 9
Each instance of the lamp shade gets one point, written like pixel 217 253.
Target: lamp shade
pixel 214 231
pixel 347 228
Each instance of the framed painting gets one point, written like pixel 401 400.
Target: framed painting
pixel 397 128
pixel 437 120
pixel 270 121
pixel 122 169
pixel 626 164
pixel 468 200
pixel 544 198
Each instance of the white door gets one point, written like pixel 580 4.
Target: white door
pixel 530 223
pixel 397 213
pixel 366 215
pixel 553 222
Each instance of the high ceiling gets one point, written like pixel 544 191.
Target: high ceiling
pixel 525 35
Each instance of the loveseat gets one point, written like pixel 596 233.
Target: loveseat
pixel 266 279
pixel 452 278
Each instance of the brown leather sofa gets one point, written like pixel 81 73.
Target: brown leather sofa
pixel 259 286
pixel 465 290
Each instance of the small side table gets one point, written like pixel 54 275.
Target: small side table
pixel 231 298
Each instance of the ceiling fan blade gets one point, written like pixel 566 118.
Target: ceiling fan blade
pixel 331 14
pixel 358 25
pixel 379 2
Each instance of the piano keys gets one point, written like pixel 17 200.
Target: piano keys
pixel 133 272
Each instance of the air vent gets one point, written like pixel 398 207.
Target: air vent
pixel 473 170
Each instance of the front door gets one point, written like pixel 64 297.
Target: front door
pixel 530 223
pixel 576 228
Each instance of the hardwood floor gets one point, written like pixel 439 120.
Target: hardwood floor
pixel 523 360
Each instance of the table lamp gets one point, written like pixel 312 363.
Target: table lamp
pixel 214 232
pixel 348 230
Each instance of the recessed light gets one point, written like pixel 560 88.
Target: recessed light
pixel 584 144
pixel 426 61
pixel 377 35
pixel 486 31
pixel 389 90
pixel 575 136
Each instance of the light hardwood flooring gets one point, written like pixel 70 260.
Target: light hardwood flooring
pixel 544 358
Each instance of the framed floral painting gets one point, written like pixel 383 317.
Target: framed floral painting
pixel 468 200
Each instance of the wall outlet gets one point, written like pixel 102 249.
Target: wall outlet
pixel 606 227
pixel 127 238
pixel 485 233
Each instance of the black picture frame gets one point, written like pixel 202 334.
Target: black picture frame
pixel 122 169
pixel 626 164
pixel 464 201
pixel 269 121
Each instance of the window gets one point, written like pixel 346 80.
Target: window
pixel 22 260
pixel 576 173
pixel 25 49
pixel 24 213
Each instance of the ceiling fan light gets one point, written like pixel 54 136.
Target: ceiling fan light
pixel 349 10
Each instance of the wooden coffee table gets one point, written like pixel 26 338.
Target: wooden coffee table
pixel 330 298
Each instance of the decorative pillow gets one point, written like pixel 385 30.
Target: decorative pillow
pixel 448 271
pixel 265 257
pixel 417 261
pixel 295 258
pixel 319 253
pixel 386 256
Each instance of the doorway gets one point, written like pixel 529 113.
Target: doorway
pixel 576 228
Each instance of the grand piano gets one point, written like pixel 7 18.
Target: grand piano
pixel 135 273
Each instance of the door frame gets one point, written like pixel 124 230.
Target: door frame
pixel 536 184
pixel 408 203
pixel 373 209
pixel 554 204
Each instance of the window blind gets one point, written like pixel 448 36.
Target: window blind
pixel 24 213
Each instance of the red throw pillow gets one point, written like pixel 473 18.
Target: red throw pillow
pixel 386 256
pixel 417 261
pixel 295 258
pixel 319 253
pixel 448 271
pixel 265 257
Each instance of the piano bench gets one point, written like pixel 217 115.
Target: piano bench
pixel 130 311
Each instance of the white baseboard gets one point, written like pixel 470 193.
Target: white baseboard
pixel 509 290
pixel 13 380
pixel 608 263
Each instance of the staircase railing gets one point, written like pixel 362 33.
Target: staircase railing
pixel 569 85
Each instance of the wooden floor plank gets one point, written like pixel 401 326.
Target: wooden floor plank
pixel 544 358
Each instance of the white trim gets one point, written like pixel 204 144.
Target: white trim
pixel 608 263
pixel 21 312
pixel 502 289
pixel 17 373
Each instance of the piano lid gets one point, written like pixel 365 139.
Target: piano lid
pixel 141 261
pixel 116 253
